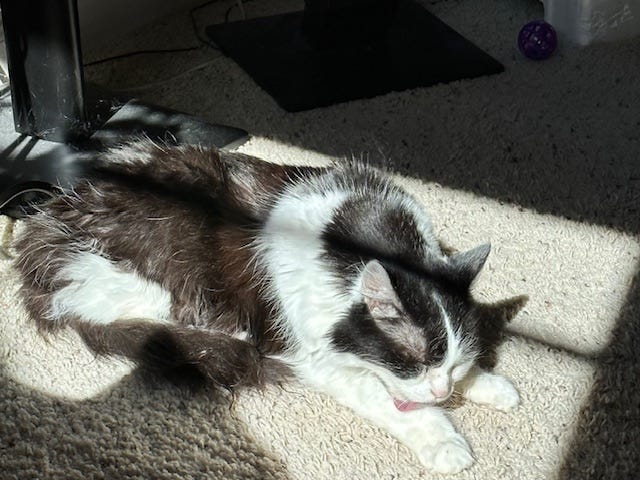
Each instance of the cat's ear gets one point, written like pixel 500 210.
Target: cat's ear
pixel 502 312
pixel 465 266
pixel 492 321
pixel 377 291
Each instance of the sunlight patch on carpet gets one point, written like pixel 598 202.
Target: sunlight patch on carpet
pixel 577 275
pixel 59 366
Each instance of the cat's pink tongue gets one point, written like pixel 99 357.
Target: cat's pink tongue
pixel 406 405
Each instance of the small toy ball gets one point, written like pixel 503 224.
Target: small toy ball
pixel 537 40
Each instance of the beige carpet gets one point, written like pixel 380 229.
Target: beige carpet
pixel 543 161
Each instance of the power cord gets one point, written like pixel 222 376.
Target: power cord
pixel 7 234
pixel 196 30
pixel 51 193
pixel 240 6
pixel 194 24
pixel 140 52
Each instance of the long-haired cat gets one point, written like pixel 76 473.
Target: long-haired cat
pixel 250 271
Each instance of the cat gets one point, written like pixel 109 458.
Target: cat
pixel 252 272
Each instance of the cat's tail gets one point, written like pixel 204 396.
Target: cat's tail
pixel 185 353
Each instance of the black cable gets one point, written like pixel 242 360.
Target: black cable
pixel 228 12
pixel 140 52
pixel 194 25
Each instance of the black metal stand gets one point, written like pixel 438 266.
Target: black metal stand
pixel 45 68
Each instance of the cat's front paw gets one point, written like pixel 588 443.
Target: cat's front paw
pixel 448 456
pixel 493 390
pixel 505 395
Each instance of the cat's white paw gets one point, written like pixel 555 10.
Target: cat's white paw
pixel 505 396
pixel 493 390
pixel 449 456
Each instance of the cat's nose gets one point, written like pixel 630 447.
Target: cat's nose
pixel 439 392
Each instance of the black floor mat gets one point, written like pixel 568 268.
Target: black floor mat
pixel 417 50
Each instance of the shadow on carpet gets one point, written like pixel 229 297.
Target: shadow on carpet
pixel 139 429
pixel 606 437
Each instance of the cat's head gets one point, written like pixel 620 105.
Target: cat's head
pixel 418 331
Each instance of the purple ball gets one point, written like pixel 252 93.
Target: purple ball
pixel 537 40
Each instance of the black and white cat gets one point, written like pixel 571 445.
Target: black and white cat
pixel 251 271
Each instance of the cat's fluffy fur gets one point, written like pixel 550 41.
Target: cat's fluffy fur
pixel 175 256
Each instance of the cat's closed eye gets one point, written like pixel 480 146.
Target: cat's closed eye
pixel 437 351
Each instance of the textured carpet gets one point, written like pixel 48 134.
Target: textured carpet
pixel 543 161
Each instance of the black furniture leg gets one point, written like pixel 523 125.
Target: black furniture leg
pixel 44 58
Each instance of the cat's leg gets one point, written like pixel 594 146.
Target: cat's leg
pixel 171 349
pixel 487 388
pixel 426 431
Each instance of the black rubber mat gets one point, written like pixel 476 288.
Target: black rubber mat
pixel 415 50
